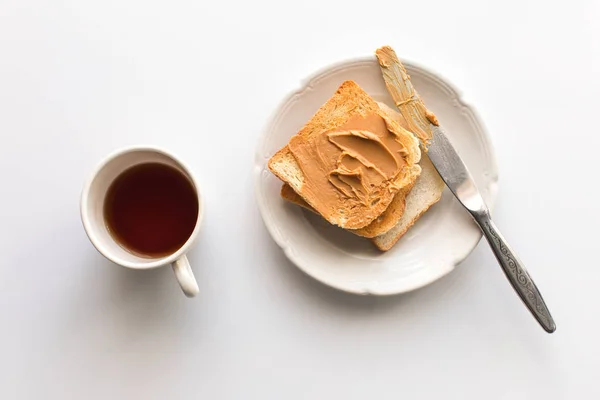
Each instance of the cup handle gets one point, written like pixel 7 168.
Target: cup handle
pixel 185 276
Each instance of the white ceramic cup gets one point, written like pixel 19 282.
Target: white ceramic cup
pixel 92 214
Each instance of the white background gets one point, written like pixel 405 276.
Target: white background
pixel 79 79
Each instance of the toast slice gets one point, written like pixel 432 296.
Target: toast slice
pixel 349 101
pixel 389 218
pixel 407 207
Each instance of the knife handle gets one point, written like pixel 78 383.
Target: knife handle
pixel 515 272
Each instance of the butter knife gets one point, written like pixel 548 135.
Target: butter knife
pixel 460 182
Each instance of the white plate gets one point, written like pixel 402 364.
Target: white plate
pixel 441 239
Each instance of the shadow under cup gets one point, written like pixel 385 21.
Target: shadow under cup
pixel 94 197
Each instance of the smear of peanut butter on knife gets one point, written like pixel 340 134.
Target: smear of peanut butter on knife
pixel 406 98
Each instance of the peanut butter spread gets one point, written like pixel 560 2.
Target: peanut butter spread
pixel 398 83
pixel 353 163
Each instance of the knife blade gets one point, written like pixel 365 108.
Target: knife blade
pixel 455 174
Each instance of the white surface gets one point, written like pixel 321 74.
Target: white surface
pixel 79 79
pixel 432 247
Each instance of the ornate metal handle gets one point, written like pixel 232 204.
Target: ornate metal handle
pixel 516 273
